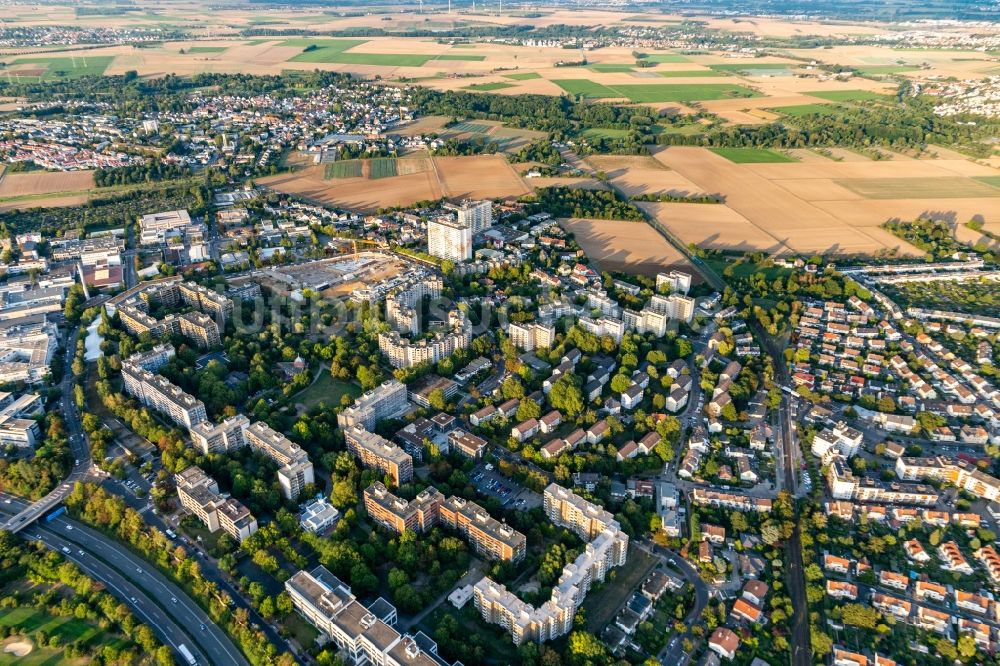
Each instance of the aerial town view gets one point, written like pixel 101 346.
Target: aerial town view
pixel 486 333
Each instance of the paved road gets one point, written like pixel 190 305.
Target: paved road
pixel 673 654
pixel 140 575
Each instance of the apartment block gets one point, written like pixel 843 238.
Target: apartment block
pixel 677 281
pixel 380 403
pixel 200 328
pixel 554 618
pixel 674 306
pixel 399 515
pixel 449 239
pixel 156 392
pixel 405 353
pixel 378 453
pixel 26 350
pixel 959 473
pixel 363 635
pixel 529 337
pixel 477 215
pixel 489 537
pixel 199 494
pixel 210 302
pixel 220 438
pixel 295 469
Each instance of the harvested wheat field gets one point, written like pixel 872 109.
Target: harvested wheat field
pixel 579 182
pixel 479 177
pixel 419 179
pixel 45 182
pixel 780 202
pixel 713 226
pixel 362 194
pixel 631 247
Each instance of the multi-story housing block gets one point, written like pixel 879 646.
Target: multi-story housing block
pixel 378 453
pixel 200 328
pixel 295 470
pixel 489 537
pixel 399 515
pixel 380 403
pixel 220 438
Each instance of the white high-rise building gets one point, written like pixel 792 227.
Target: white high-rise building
pixel 477 215
pixel 449 239
pixel 679 282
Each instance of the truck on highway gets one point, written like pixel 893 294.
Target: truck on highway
pixel 55 514
pixel 188 657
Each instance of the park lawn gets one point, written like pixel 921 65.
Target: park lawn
pixel 876 70
pixel 611 68
pixel 303 632
pixel 801 110
pixel 923 188
pixel 29 621
pixel 691 73
pixel 665 58
pixel 846 95
pixel 326 390
pixel 523 76
pixel 680 92
pixel 206 49
pixel 751 155
pixel 66 68
pixel 486 87
pixel 743 269
pixel 585 87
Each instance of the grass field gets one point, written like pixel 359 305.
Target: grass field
pixel 656 92
pixel 604 133
pixel 470 128
pixel 326 390
pixel 919 188
pixel 690 74
pixel 993 181
pixel 343 169
pixel 665 58
pixel 383 167
pixel 206 49
pixel 878 70
pixel 751 155
pixel 846 95
pixel 611 68
pixel 523 76
pixel 486 87
pixel 30 621
pixel 602 604
pixel 802 110
pixel 63 68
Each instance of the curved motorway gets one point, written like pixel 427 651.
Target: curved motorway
pixel 170 613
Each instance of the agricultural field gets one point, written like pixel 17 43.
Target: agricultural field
pixel 655 92
pixel 632 247
pixel 344 169
pixel 927 188
pixel 415 179
pixel 846 95
pixel 523 76
pixel 690 73
pixel 56 68
pixel 805 206
pixel 751 155
pixel 489 87
pixel 802 110
pixel 206 49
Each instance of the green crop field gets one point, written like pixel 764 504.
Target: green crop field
pixel 691 73
pixel 206 49
pixel 610 68
pixel 344 169
pixel 470 128
pixel 655 92
pixel 679 92
pixel 523 76
pixel 742 67
pixel 604 133
pixel 665 57
pixel 846 95
pixel 64 68
pixel 802 110
pixel 334 51
pixel 919 188
pixel 751 155
pixel 877 70
pixel 383 167
pixel 486 87
pixel 993 181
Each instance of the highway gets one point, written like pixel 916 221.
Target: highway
pixel 130 577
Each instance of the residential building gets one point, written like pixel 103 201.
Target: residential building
pixel 531 336
pixel 318 516
pixel 489 537
pixel 18 427
pixel 220 438
pixel 295 470
pixel 449 239
pixel 380 403
pixel 200 328
pixel 477 215
pixel 199 494
pixel 158 393
pixel 399 515
pixel 376 452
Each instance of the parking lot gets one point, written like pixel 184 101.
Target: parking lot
pixel 493 484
